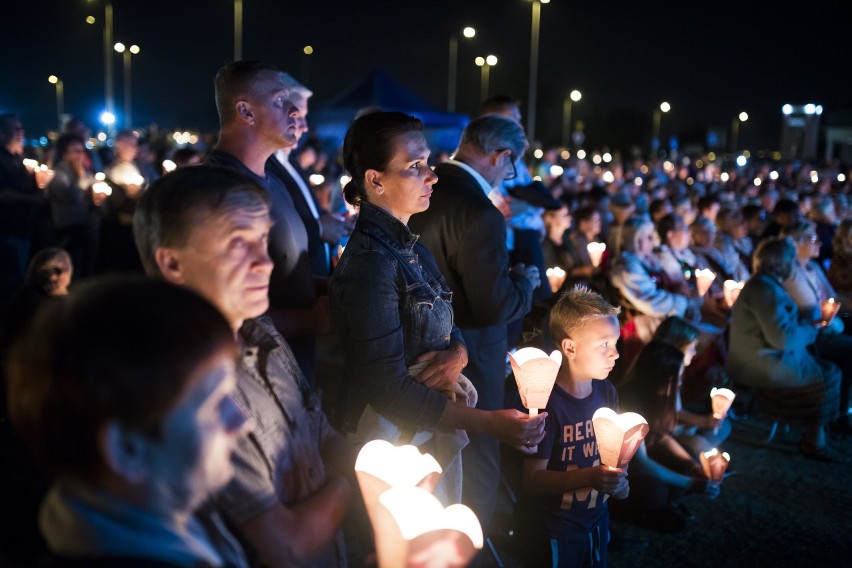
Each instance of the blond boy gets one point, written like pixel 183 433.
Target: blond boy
pixel 565 476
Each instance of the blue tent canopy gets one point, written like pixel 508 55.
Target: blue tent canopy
pixel 378 89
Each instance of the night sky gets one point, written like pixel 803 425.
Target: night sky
pixel 710 60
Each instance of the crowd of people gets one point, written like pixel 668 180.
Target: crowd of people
pixel 192 358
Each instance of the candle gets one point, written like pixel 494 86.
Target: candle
pixel 618 435
pixel 102 188
pixel 410 526
pixel 556 277
pixel 596 251
pixel 535 372
pixel 829 309
pixel 721 400
pixel 732 289
pixel 703 278
pixel 714 464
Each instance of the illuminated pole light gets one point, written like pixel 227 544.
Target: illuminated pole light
pixel 60 98
pixel 308 50
pixel 657 129
pixel 534 36
pixel 485 64
pixel 109 94
pixel 735 129
pixel 238 30
pixel 573 97
pixel 452 80
pixel 127 52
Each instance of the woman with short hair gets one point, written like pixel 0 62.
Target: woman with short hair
pixel 768 350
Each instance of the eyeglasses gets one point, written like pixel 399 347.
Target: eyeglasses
pixel 514 173
pixel 811 239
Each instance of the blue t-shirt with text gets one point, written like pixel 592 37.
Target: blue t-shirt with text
pixel 570 444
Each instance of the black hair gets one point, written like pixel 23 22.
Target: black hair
pixel 63 142
pixel 369 145
pixel 651 385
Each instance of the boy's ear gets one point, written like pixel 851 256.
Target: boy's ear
pixel 568 348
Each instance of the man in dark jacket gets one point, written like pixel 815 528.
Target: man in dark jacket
pixel 467 235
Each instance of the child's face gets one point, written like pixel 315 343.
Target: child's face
pixel 591 352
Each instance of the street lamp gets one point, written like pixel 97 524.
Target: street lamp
pixel 572 97
pixel 735 129
pixel 658 117
pixel 60 97
pixel 469 33
pixel 536 23
pixel 127 51
pixel 238 30
pixel 485 63
pixel 308 50
pixel 108 78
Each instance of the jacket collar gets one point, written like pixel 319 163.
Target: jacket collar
pixel 379 222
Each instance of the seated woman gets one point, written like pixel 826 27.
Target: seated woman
pixel 809 287
pixel 733 242
pixel 137 377
pixel 643 284
pixel 840 271
pixel 697 429
pixel 393 309
pixel 674 255
pixel 553 246
pixel 769 350
pixel 587 229
pixel 704 247
pixel 663 470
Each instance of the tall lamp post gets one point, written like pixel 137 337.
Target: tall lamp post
pixel 572 97
pixel 469 33
pixel 238 30
pixel 485 64
pixel 735 129
pixel 308 50
pixel 536 23
pixel 128 52
pixel 109 97
pixel 658 118
pixel 60 98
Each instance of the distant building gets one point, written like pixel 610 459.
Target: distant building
pixel 800 131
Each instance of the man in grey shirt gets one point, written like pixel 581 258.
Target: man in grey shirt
pixel 207 228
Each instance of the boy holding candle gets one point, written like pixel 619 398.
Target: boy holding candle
pixel 565 476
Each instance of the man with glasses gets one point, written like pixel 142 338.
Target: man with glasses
pixel 467 235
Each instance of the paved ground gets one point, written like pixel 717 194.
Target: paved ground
pixel 779 509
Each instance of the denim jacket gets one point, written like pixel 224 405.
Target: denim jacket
pixel 390 305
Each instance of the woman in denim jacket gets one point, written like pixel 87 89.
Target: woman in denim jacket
pixel 390 303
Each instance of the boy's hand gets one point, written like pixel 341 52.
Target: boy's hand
pixel 622 490
pixel 606 479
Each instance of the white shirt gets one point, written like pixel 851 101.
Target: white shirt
pixel 283 158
